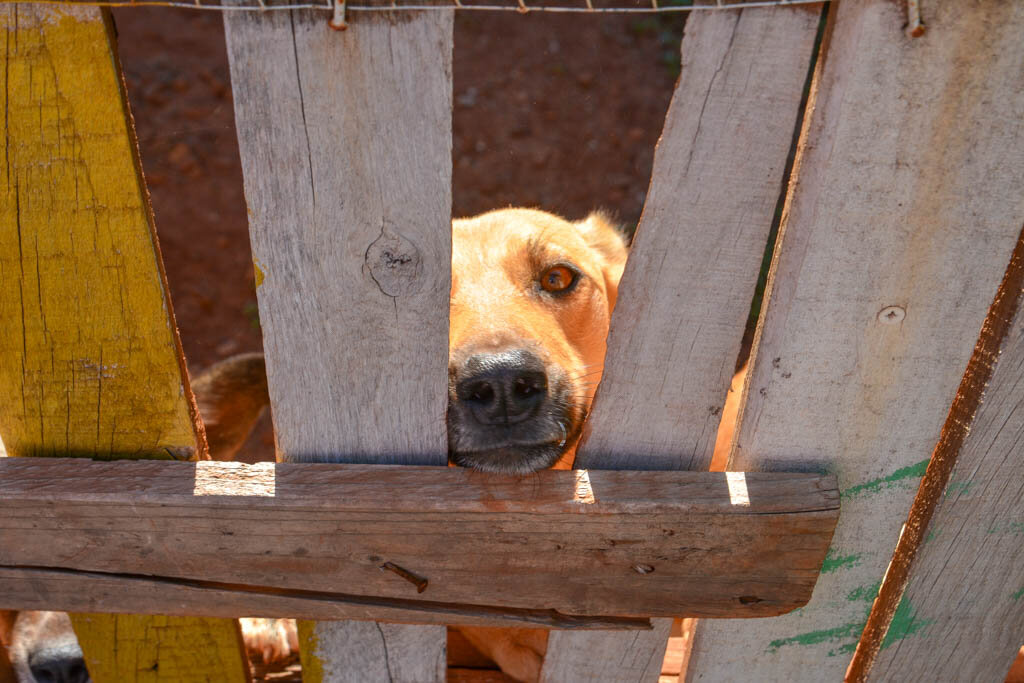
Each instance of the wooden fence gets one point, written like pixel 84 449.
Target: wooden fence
pixel 888 358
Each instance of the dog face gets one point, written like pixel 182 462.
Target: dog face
pixel 532 296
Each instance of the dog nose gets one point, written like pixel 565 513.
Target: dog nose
pixel 59 665
pixel 503 388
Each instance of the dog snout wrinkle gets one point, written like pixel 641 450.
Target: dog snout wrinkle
pixel 503 388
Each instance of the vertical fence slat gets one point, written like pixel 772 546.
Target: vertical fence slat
pixel 905 210
pixel 686 292
pixel 961 615
pixel 345 141
pixel 89 358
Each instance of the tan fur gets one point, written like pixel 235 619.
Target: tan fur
pixel 493 271
pixel 231 395
pixel 35 637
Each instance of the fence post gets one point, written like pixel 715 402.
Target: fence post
pixel 90 362
pixel 345 141
pixel 686 292
pixel 902 216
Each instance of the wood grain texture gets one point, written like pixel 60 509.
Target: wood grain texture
pixel 160 649
pixel 960 616
pixel 90 362
pixel 685 294
pixel 345 140
pixel 391 652
pixel 577 542
pixel 906 208
pixel 96 591
pixel 606 655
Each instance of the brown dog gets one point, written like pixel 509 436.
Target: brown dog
pixel 531 300
pixel 532 297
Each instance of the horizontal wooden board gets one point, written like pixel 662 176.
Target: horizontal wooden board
pixel 575 542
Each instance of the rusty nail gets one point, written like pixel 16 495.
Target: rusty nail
pixel 418 581
pixel 915 27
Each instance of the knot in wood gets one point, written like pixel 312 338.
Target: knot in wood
pixel 394 264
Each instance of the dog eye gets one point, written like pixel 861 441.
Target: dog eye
pixel 557 279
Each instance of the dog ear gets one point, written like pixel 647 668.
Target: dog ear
pixel 609 243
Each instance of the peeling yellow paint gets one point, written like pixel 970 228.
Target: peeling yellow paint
pixel 90 362
pixel 160 649
pixel 88 359
pixel 312 666
pixel 258 270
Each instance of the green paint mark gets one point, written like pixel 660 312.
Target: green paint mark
pixel 932 535
pixel 956 488
pixel 847 649
pixel 865 593
pixel 849 632
pixel 834 561
pixel 904 623
pixel 874 486
pixel 1018 595
pixel 1015 528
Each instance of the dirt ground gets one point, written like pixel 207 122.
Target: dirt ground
pixel 554 111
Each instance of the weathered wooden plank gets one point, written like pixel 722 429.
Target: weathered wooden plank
pixel 685 295
pixel 89 359
pixel 960 616
pixel 606 655
pixel 162 649
pixel 582 543
pixel 345 141
pixel 394 653
pixel 90 362
pixel 906 208
pixel 85 591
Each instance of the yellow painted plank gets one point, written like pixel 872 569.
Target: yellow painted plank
pixel 159 649
pixel 90 362
pixel 309 647
pixel 88 349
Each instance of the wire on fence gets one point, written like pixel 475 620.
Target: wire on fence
pixel 520 6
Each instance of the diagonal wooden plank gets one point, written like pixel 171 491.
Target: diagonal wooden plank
pixel 345 141
pixel 90 362
pixel 960 617
pixel 686 292
pixel 906 208
pixel 685 295
pixel 89 358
